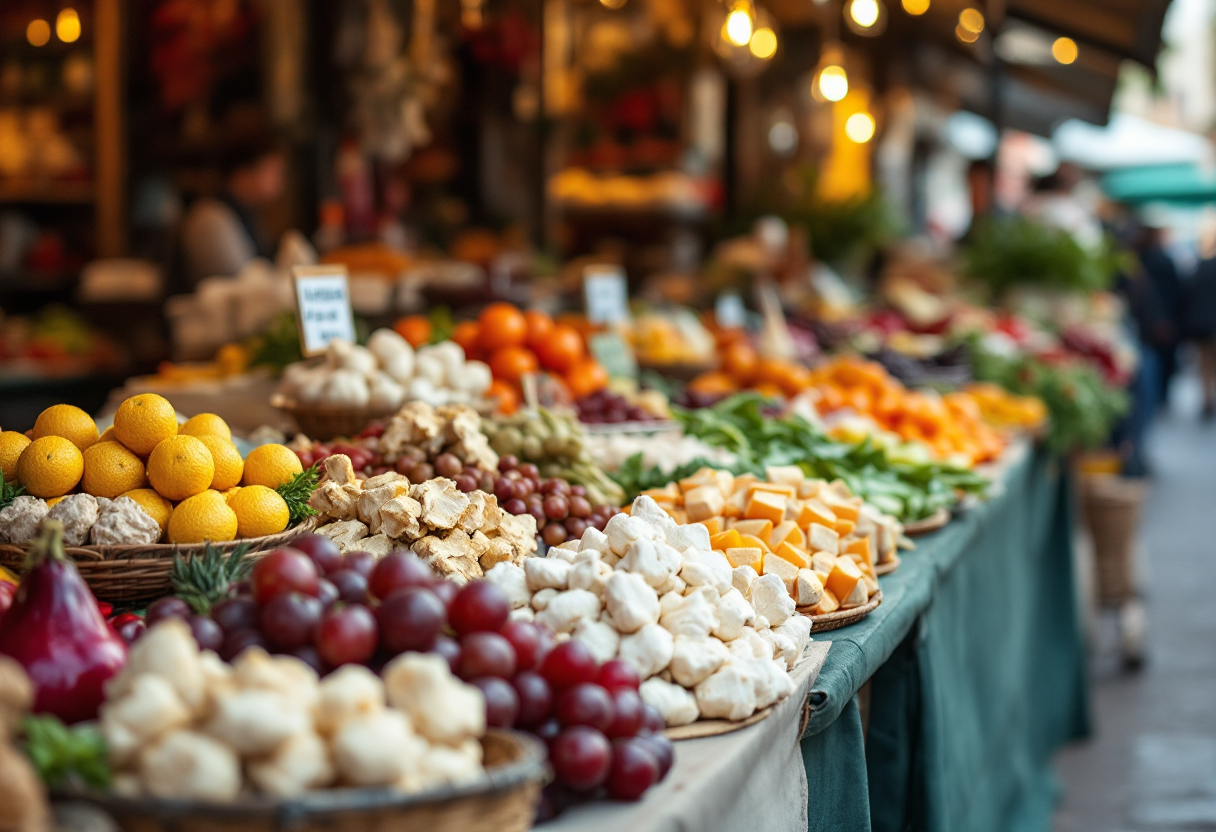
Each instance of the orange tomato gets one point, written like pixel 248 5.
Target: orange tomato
pixel 466 334
pixel 504 393
pixel 740 362
pixel 414 328
pixel 502 325
pixel 713 384
pixel 513 363
pixel 586 378
pixel 540 327
pixel 562 350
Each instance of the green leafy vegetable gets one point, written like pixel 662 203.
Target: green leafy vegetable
pixel 10 491
pixel 296 491
pixel 1016 251
pixel 63 756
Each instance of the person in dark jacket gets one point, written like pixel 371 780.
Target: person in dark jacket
pixel 1166 334
pixel 1201 328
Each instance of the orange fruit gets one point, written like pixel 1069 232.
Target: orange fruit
pixel 12 444
pixel 586 378
pixel 740 362
pixel 713 384
pixel 562 350
pixel 50 467
pixel 414 328
pixel 72 423
pixel 142 422
pixel 259 511
pixel 271 465
pixel 205 516
pixel 205 424
pixel 228 463
pixel 513 363
pixel 540 326
pixel 466 335
pixel 502 325
pixel 180 467
pixel 769 390
pixel 111 470
pixel 505 394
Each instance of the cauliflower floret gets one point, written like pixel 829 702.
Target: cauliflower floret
pixel 77 513
pixel 301 763
pixel 350 691
pixel 150 708
pixel 185 765
pixel 167 650
pixel 123 522
pixel 443 708
pixel 19 520
pixel 376 749
pixel 254 722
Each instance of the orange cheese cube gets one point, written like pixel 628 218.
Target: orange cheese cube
pixel 787 531
pixel 814 511
pixel 729 539
pixel 752 540
pixel 793 508
pixel 843 578
pixel 861 547
pixel 845 509
pixel 735 504
pixel 827 603
pixel 762 529
pixel 822 539
pixel 867 571
pixel 809 488
pixel 714 524
pixel 669 494
pixel 844 528
pixel 705 476
pixel 765 505
pixel 745 481
pixel 745 556
pixel 725 481
pixel 785 474
pixel 704 502
pixel 794 555
pixel 771 488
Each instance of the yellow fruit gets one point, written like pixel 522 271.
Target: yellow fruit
pixel 72 423
pixel 259 511
pixel 51 502
pixel 228 463
pixel 205 424
pixel 204 516
pixel 110 469
pixel 12 444
pixel 108 435
pixel 180 467
pixel 156 506
pixel 229 493
pixel 142 422
pixel 271 466
pixel 50 467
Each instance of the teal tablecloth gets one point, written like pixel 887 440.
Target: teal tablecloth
pixel 978 676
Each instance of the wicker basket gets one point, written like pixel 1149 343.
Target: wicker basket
pixel 503 802
pixel 126 576
pixel 1111 506
pixel 322 423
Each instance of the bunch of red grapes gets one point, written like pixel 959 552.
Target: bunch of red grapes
pixel 562 510
pixel 604 407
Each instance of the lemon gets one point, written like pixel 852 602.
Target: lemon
pixel 205 516
pixel 50 467
pixel 110 470
pixel 271 466
pixel 72 423
pixel 180 467
pixel 142 422
pixel 228 463
pixel 12 444
pixel 259 511
pixel 205 424
pixel 154 505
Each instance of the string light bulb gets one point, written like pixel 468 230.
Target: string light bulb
pixel 763 43
pixel 739 24
pixel 971 20
pixel 832 83
pixel 864 12
pixel 67 25
pixel 1064 50
pixel 859 127
pixel 38 32
pixel 965 35
pixel 916 7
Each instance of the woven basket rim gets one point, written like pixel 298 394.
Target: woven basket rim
pixel 528 765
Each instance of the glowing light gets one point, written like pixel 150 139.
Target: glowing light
pixel 864 12
pixel 971 20
pixel 738 26
pixel 67 26
pixel 966 36
pixel 612 4
pixel 859 127
pixel 1064 50
pixel 916 7
pixel 38 33
pixel 833 83
pixel 764 43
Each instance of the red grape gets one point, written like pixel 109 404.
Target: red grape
pixel 327 593
pixel 361 562
pixel 504 489
pixel 575 526
pixel 347 635
pixel 236 641
pixel 206 632
pixel 445 591
pixel 404 465
pixel 569 663
pixel 548 731
pixel 584 704
pixel 479 606
pixel 485 481
pixel 525 639
pixel 627 714
pixel 652 720
pixel 618 673
pixel 290 619
pixel 508 463
pixel 580 507
pixel 554 534
pixel 529 471
pixel 556 507
pixel 421 472
pixel 448 465
pixel 129 631
pixel 449 649
pixel 398 570
pixel 466 483
pixel 578 491
pixel 486 654
pixel 234 614
pixel 502 703
pixel 351 586
pixel 535 698
pixel 537 510
pixel 662 749
pixel 521 489
pixel 323 551
pixel 309 655
pixel 282 571
pixel 634 770
pixel 170 607
pixel 581 758
pixel 515 507
pixel 410 619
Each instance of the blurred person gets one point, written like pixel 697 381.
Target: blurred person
pixel 981 191
pixel 1147 316
pixel 1054 202
pixel 221 234
pixel 1201 319
pixel 1162 272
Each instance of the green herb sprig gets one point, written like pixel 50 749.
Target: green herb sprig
pixel 296 492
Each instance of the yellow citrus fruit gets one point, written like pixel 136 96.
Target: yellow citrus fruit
pixel 205 516
pixel 180 467
pixel 51 502
pixel 271 466
pixel 50 467
pixel 259 511
pixel 142 422
pixel 108 435
pixel 12 444
pixel 154 505
pixel 228 463
pixel 110 470
pixel 205 424
pixel 228 493
pixel 72 423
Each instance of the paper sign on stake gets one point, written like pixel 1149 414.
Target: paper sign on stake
pixel 323 307
pixel 606 295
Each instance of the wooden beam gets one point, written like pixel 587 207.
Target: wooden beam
pixel 111 161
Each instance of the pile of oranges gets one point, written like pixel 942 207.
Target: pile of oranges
pixel 190 478
pixel 740 367
pixel 516 343
pixel 953 425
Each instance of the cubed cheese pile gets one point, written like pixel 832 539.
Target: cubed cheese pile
pixel 816 536
pixel 711 641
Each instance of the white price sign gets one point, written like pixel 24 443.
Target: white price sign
pixel 606 294
pixel 323 307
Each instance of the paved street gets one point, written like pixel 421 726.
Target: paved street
pixel 1151 765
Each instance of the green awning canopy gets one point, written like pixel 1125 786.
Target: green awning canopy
pixel 1186 184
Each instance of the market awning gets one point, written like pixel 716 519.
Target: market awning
pixel 1186 184
pixel 1126 28
pixel 1130 142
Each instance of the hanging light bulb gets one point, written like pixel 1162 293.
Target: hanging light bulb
pixel 831 81
pixel 38 32
pixel 1064 50
pixel 739 24
pixel 866 17
pixel 763 43
pixel 971 20
pixel 67 26
pixel 859 127
pixel 916 7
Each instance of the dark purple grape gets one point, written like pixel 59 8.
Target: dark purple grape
pixel 410 619
pixel 466 483
pixel 448 465
pixel 351 586
pixel 515 507
pixel 290 620
pixel 508 463
pixel 206 632
pixel 233 614
pixel 170 607
pixel 130 631
pixel 502 703
pixel 238 640
pixel 579 507
pixel 535 698
pixel 327 593
pixel 449 648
